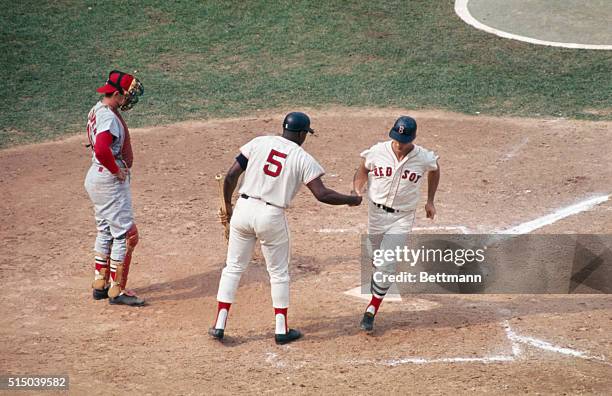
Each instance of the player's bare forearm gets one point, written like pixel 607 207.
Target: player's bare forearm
pixel 331 197
pixel 433 179
pixel 360 179
pixel 230 183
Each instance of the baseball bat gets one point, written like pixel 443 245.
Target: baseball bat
pixel 222 206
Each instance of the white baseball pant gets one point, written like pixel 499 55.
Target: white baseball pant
pixel 254 219
pixel 387 231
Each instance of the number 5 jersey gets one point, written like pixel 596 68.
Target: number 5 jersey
pixel 276 169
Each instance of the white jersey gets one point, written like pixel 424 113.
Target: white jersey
pixel 276 169
pixel 396 184
pixel 100 119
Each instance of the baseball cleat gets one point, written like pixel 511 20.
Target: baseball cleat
pixel 216 333
pixel 127 298
pixel 367 323
pixel 292 335
pixel 100 294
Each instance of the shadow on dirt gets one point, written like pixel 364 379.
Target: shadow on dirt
pixel 205 284
pixel 454 313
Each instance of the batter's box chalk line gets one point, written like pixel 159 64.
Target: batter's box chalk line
pixel 559 214
pixel 523 228
pixel 517 342
pixel 516 354
pixel 360 229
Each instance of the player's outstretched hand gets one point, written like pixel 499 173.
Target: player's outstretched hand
pixel 358 199
pixel 430 210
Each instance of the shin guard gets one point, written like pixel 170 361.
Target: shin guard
pixel 102 271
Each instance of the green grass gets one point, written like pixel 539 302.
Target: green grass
pixel 221 58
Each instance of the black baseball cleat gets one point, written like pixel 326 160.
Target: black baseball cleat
pixel 292 335
pixel 100 294
pixel 367 323
pixel 216 333
pixel 127 298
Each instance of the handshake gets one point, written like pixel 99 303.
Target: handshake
pixel 357 198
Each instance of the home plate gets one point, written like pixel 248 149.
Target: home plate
pixel 411 304
pixel 392 294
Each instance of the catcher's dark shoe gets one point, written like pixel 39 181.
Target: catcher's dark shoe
pixel 216 333
pixel 367 323
pixel 100 294
pixel 127 298
pixel 292 335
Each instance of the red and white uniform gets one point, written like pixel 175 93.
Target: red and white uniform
pixel 276 169
pixel 112 199
pixel 396 185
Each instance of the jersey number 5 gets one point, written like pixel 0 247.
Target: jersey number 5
pixel 278 166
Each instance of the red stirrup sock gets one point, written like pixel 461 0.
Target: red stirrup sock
pixel 374 304
pixel 280 315
pixel 222 312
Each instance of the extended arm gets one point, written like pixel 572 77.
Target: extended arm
pixel 329 196
pixel 360 179
pixel 433 179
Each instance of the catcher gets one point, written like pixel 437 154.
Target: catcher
pixel 275 167
pixel 108 185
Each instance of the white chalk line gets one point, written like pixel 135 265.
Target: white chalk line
pixel 273 360
pixel 516 353
pixel 461 9
pixel 559 214
pixel 392 296
pixel 515 149
pixel 545 345
pixel 338 230
pixel 523 228
pixel 490 359
pixel 358 230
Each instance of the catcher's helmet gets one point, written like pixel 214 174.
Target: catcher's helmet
pixel 297 122
pixel 404 130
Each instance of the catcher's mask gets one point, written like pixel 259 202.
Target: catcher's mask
pixel 125 84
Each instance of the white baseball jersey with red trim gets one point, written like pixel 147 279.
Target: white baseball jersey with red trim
pixel 396 184
pixel 276 169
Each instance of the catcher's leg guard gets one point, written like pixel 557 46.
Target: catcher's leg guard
pixel 118 296
pixel 120 269
pixel 119 275
pixel 116 270
pixel 101 276
pixel 132 241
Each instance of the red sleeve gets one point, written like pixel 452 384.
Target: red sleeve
pixel 103 151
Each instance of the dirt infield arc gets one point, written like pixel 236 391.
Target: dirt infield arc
pixel 496 174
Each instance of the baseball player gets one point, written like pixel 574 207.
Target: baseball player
pixel 394 171
pixel 275 167
pixel 108 185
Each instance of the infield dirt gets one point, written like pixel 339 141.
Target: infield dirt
pixel 495 173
